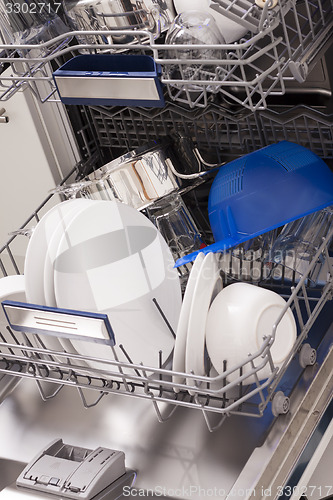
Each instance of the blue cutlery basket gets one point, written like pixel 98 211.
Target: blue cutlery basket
pixel 110 80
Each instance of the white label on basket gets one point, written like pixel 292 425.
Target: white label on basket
pixel 63 325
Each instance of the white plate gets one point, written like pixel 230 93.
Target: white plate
pixel 207 285
pixel 68 213
pixel 112 259
pixel 34 266
pixel 36 250
pixel 178 364
pixel 11 288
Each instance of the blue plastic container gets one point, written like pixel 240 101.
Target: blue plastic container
pixel 110 80
pixel 264 190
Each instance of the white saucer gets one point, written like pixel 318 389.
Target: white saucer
pixel 207 285
pixel 178 364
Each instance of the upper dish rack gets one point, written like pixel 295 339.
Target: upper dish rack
pixel 211 395
pixel 281 44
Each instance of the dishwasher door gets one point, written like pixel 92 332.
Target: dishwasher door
pixel 246 458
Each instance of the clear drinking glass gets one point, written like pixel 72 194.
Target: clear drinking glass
pixel 25 22
pixel 191 28
pixel 245 262
pixel 297 244
pixel 171 216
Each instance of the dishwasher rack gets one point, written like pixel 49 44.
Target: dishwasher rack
pixel 219 135
pixel 281 44
pixel 226 394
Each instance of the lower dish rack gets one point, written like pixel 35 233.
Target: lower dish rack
pixel 237 391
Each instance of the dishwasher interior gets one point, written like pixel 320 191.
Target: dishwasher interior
pixel 215 435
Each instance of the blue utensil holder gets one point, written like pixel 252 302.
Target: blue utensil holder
pixel 110 80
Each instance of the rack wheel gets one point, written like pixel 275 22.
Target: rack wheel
pixel 280 404
pixel 307 356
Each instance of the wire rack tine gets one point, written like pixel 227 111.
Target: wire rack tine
pixel 49 396
pixel 121 370
pixel 160 417
pixel 211 428
pixel 84 399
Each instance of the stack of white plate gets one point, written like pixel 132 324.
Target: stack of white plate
pixel 105 256
pixel 11 288
pixel 203 285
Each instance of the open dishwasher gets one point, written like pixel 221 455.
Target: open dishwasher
pixel 78 425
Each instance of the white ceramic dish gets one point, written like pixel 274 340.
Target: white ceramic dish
pixel 208 283
pixel 11 288
pixel 230 30
pixel 238 319
pixel 112 259
pixel 67 212
pixel 34 266
pixel 178 363
pixel 36 250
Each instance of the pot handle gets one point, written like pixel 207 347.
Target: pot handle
pixel 189 154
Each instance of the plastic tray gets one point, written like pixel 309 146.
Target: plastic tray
pixel 110 80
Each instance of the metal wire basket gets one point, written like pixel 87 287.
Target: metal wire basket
pixel 219 136
pixel 281 44
pixel 226 394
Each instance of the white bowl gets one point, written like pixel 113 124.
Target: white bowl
pixel 230 30
pixel 239 319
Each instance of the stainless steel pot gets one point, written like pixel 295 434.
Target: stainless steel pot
pixel 151 15
pixel 138 178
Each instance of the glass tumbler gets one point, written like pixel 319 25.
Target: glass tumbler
pixel 188 29
pixel 296 246
pixel 25 22
pixel 174 221
pixel 245 262
pixel 171 216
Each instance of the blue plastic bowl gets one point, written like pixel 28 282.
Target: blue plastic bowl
pixel 264 190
